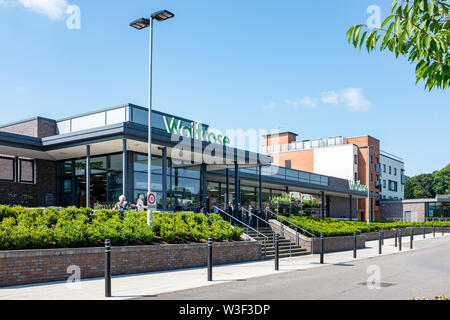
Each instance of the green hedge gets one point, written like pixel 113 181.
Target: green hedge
pixel 333 227
pixel 22 228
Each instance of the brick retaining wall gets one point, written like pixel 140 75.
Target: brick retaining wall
pixel 39 266
pixel 332 244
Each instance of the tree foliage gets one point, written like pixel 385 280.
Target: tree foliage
pixel 428 185
pixel 418 30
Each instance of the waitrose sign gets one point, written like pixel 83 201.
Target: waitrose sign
pixel 357 186
pixel 193 131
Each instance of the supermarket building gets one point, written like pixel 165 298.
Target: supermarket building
pixel 96 157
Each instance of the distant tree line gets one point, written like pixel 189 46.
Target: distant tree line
pixel 428 185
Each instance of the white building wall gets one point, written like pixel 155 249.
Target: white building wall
pixel 336 161
pixel 391 171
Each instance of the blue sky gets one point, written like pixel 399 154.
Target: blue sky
pixel 232 64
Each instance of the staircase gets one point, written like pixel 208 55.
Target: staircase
pixel 286 248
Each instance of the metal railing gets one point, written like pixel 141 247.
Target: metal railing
pixel 297 228
pixel 241 223
pixel 438 219
pixel 259 219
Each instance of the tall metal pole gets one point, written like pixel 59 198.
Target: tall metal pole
pixel 149 164
pixel 88 176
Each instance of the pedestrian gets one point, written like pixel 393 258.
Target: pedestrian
pixel 230 208
pixel 250 216
pixel 122 205
pixel 140 203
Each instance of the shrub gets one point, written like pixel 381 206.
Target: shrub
pixel 333 227
pixel 22 228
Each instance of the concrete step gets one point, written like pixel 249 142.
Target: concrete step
pixel 296 254
pixel 283 252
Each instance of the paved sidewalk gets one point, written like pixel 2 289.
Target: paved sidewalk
pixel 153 284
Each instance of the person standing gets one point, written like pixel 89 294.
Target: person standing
pixel 230 209
pixel 250 215
pixel 140 205
pixel 122 205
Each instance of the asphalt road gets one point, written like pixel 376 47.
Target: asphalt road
pixel 420 273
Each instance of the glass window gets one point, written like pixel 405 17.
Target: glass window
pixel 390 170
pixel 115 162
pixel 140 163
pixel 395 171
pixel 67 186
pixel 187 172
pixel 384 168
pixel 140 181
pixel 355 159
pixel 7 169
pixel 27 171
pixel 371 159
pixel 248 196
pixel 356 176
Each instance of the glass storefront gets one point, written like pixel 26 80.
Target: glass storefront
pixel 140 176
pixel 438 210
pixel 249 195
pixel 183 184
pixel 106 180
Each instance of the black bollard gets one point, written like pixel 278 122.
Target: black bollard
pixel 424 231
pixel 321 247
pixel 412 238
pixel 382 237
pixel 380 246
pixel 210 260
pixel 395 235
pixel 277 264
pixel 400 240
pixel 354 245
pixel 107 268
pixel 434 231
pixel 442 230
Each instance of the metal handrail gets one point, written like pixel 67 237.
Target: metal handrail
pixel 247 226
pixel 312 236
pixel 296 226
pixel 278 228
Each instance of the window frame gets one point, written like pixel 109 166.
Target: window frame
pixel 19 178
pixel 13 169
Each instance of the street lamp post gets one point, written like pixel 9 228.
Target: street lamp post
pixel 140 24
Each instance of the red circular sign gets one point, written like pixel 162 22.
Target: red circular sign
pixel 151 198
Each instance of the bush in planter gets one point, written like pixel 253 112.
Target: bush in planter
pixel 6 212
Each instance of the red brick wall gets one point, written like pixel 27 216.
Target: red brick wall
pixel 38 128
pixel 300 160
pixel 28 194
pixel 363 162
pixel 281 138
pixel 39 266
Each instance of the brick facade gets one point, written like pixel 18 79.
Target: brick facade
pixel 32 194
pixel 395 210
pixel 38 128
pixel 39 266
